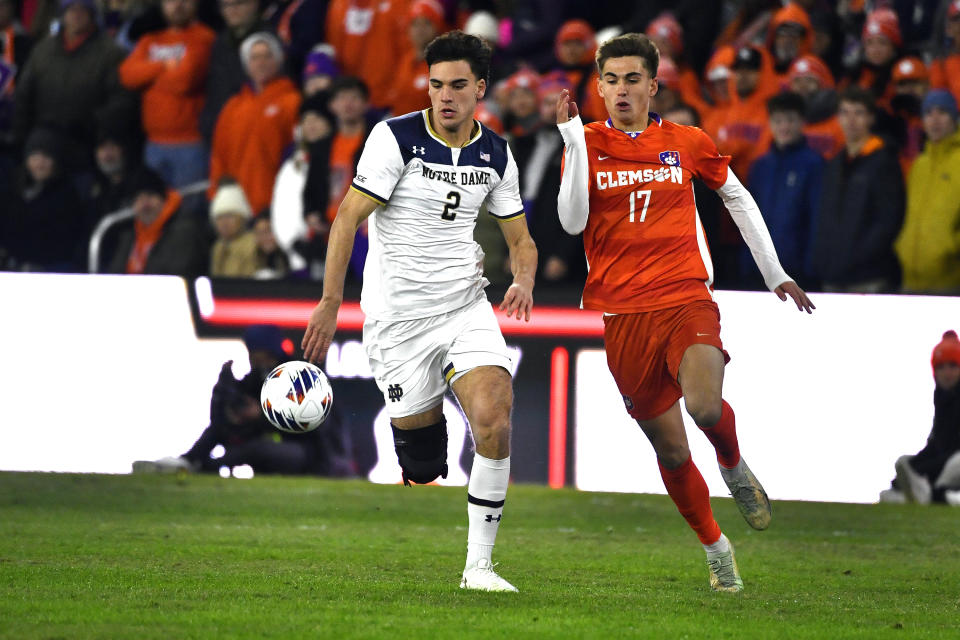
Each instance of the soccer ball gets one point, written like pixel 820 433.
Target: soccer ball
pixel 296 397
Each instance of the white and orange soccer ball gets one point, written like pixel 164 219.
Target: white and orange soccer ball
pixel 296 397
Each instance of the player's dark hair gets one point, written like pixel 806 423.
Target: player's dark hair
pixel 630 44
pixel 457 45
pixel 348 83
pixel 859 95
pixel 787 102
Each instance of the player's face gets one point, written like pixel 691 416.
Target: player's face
pixel 454 93
pixel 626 87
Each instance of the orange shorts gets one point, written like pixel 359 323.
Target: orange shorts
pixel 644 352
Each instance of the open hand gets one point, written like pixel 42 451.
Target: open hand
pixel 790 288
pixel 565 108
pixel 519 299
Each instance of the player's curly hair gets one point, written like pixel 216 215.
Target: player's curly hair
pixel 457 45
pixel 630 44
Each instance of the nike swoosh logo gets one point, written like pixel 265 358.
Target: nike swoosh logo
pixel 602 157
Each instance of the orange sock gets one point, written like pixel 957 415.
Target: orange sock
pixel 723 437
pixel 689 492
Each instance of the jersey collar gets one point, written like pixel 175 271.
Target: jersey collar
pixel 633 134
pixel 433 134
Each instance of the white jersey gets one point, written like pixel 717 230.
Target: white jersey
pixel 422 259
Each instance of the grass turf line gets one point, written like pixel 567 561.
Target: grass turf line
pixel 95 556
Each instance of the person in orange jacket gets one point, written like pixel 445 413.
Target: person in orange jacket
pixel 667 33
pixel 744 133
pixel 170 67
pixel 789 36
pixel 811 78
pixel 411 76
pixel 369 38
pixel 575 47
pixel 911 80
pixel 256 125
pixel 881 40
pixel 945 70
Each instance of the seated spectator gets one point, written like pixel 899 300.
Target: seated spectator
pixel 408 91
pixel 929 244
pixel 319 70
pixel 15 46
pixel 785 182
pixel 272 262
pixel 169 68
pixel 861 207
pixel 226 74
pixel 302 191
pixel 238 425
pixel 256 125
pixel 575 47
pixel 881 48
pixel 70 84
pixel 945 70
pixel 234 253
pixel 911 81
pixel 810 77
pixel 42 226
pixel 933 474
pixel 111 188
pixel 163 238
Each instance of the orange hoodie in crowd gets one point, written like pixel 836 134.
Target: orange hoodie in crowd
pixel 945 74
pixel 369 39
pixel 252 132
pixel 147 235
pixel 170 67
pixel 790 14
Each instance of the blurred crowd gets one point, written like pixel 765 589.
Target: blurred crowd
pixel 232 129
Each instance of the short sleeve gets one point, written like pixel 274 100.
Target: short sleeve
pixel 503 201
pixel 708 164
pixel 380 166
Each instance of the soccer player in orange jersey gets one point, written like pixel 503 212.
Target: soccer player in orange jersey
pixel 627 185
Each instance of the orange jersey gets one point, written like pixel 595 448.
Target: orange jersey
pixel 645 246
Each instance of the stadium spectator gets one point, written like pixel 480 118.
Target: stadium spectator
pixel 662 328
pixel 945 70
pixel 115 166
pixel 561 255
pixel 169 68
pixel 522 117
pixel 272 261
pixel 929 244
pixel 15 47
pixel 575 46
pixel 302 191
pixel 256 125
pixel 351 110
pixel 667 33
pixel 911 80
pixel 785 182
pixel 238 425
pixel 485 26
pixel 668 82
pixel 810 77
pixel 164 238
pixel 933 474
pixel 368 38
pixel 42 225
pixel 531 29
pixel 408 92
pixel 882 41
pixel 70 84
pixel 226 74
pixel 789 36
pixel 234 253
pixel 861 208
pixel 300 25
pixel 319 70
pixel 717 90
pixel 744 133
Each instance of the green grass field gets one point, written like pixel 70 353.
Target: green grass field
pixel 89 556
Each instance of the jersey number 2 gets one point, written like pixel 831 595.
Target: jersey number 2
pixel 637 195
pixel 453 201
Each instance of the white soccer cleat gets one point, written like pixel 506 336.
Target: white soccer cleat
pixel 482 577
pixel 724 574
pixel 748 494
pixel 914 486
pixel 169 464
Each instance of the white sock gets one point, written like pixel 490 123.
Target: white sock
pixel 485 495
pixel 720 546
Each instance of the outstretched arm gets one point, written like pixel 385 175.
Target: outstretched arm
pixel 523 264
pixel 354 209
pixel 746 214
pixel 573 201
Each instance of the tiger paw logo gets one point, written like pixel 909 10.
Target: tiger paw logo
pixel 671 158
pixel 628 403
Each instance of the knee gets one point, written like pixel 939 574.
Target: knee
pixel 704 411
pixel 672 454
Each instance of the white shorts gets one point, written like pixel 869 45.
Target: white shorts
pixel 413 361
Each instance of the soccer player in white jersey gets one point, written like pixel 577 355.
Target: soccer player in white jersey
pixel 422 179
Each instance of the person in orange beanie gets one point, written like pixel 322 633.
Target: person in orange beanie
pixel 411 76
pixel 575 47
pixel 811 78
pixel 933 474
